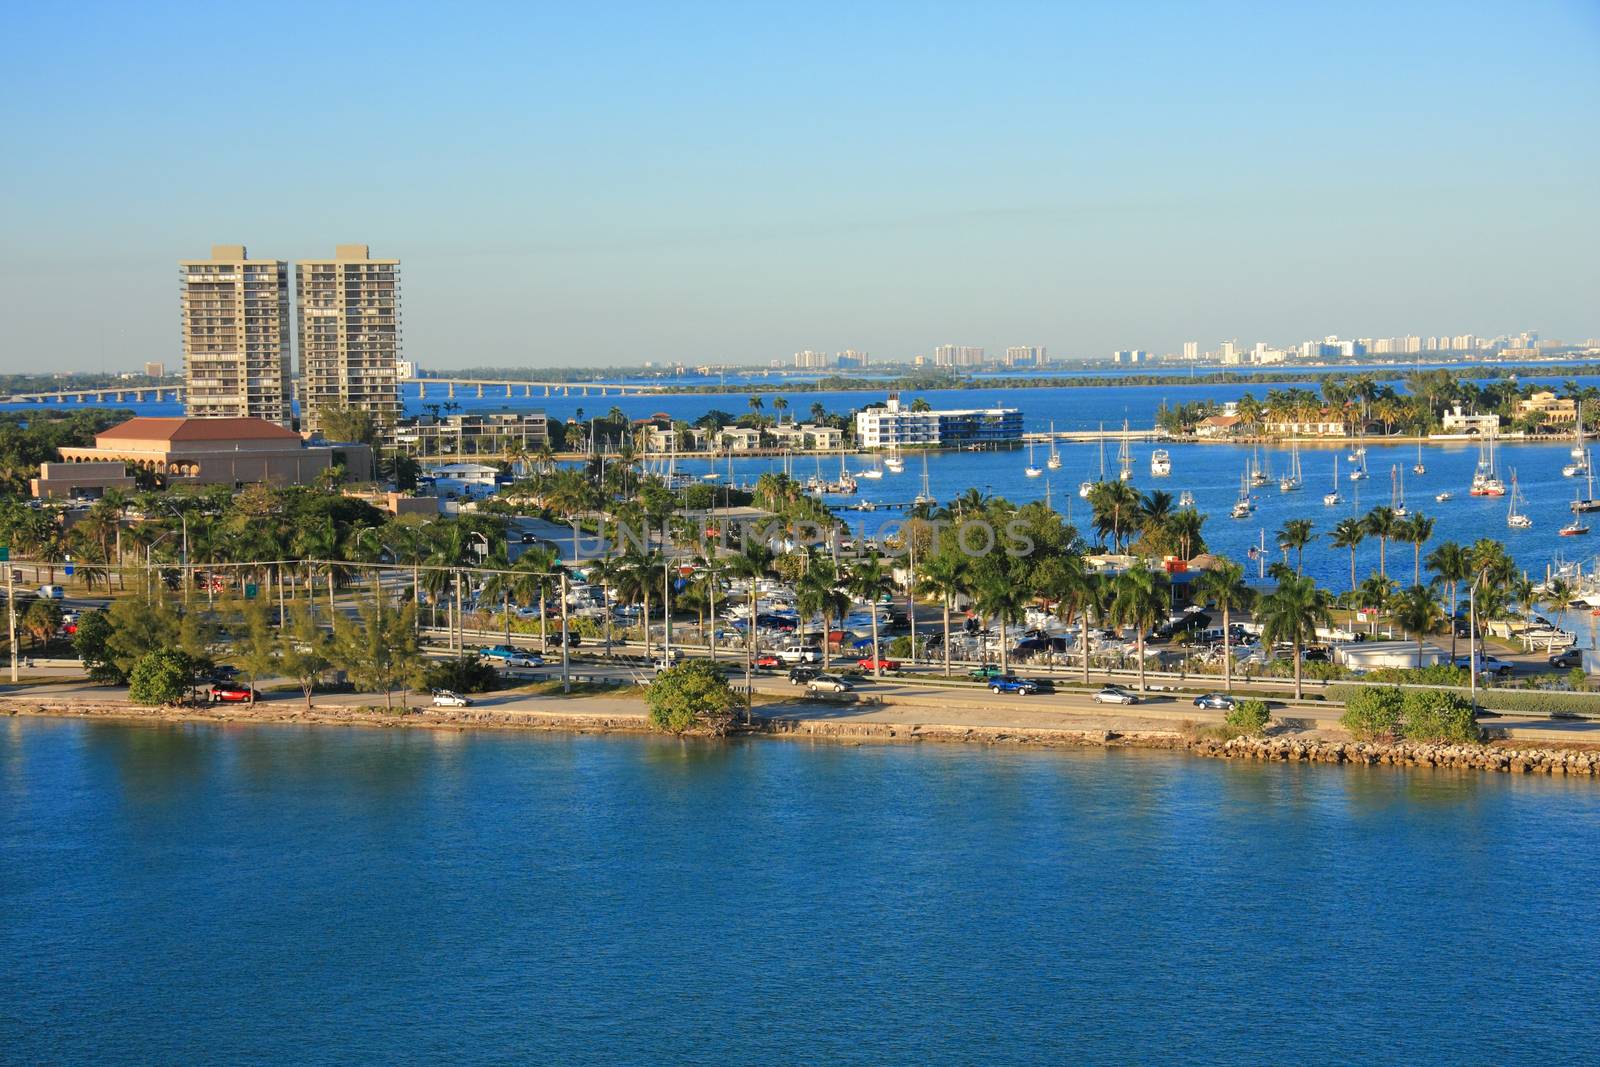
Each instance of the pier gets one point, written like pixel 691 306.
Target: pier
pixel 510 388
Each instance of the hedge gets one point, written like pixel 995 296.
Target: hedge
pixel 1373 712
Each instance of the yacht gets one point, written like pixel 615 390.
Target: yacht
pixel 1291 482
pixel 1485 482
pixel 1186 499
pixel 1086 486
pixel 1444 495
pixel 1258 472
pixel 1160 463
pixel 1515 518
pixel 1333 499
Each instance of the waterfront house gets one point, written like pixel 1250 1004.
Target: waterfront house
pixel 1547 408
pixel 1456 421
pixel 1218 426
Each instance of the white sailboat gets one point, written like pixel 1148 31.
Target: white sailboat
pixel 1032 471
pixel 1244 505
pixel 1291 481
pixel 1397 492
pixel 894 464
pixel 1332 499
pixel 1086 486
pixel 1417 467
pixel 1125 456
pixel 1258 471
pixel 1580 455
pixel 1054 462
pixel 924 497
pixel 1587 502
pixel 872 473
pixel 1485 482
pixel 1515 518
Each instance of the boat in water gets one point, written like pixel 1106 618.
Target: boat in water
pixel 1160 463
pixel 1244 505
pixel 925 497
pixel 1333 499
pixel 1485 480
pixel 1446 494
pixel 1291 482
pixel 1397 492
pixel 894 464
pixel 1054 462
pixel 1186 499
pixel 1032 471
pixel 1125 456
pixel 1587 501
pixel 1516 518
pixel 1418 467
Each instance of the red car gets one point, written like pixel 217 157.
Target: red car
pixel 767 659
pixel 229 693
pixel 867 663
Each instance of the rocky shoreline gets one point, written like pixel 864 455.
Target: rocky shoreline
pixel 1581 762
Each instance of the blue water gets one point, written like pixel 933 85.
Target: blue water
pixel 189 894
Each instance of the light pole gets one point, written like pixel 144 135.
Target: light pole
pixel 184 519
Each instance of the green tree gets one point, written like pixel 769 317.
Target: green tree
pixel 1417 611
pixel 138 625
pixel 92 644
pixel 1380 523
pixel 1224 586
pixel 1139 599
pixel 41 621
pixel 1452 563
pixel 693 695
pixel 869 581
pixel 160 676
pixel 255 646
pixel 999 598
pixel 1247 718
pixel 305 649
pixel 944 575
pixel 1291 613
pixel 1372 713
pixel 1438 715
pixel 378 649
pixel 1296 534
pixel 1348 534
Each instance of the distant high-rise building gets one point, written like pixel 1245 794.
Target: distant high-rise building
pixel 850 359
pixel 1413 344
pixel 1465 342
pixel 349 335
pixel 155 370
pixel 1025 356
pixel 235 318
pixel 811 360
pixel 1229 353
pixel 957 356
pixel 1191 350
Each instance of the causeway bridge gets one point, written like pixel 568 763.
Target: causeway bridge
pixel 420 388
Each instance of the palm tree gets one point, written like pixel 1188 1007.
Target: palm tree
pixel 944 576
pixel 1418 611
pixel 1416 529
pixel 817 593
pixel 1292 612
pixel 1115 505
pixel 1224 586
pixel 1184 527
pixel 998 597
pixel 1296 534
pixel 1139 599
pixel 1374 595
pixel 1380 522
pixel 1349 533
pixel 780 405
pixel 819 411
pixel 1065 580
pixel 1453 565
pixel 868 580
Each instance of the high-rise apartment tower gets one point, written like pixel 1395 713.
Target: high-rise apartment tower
pixel 235 317
pixel 349 310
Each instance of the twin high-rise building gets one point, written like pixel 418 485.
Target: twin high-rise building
pixel 236 346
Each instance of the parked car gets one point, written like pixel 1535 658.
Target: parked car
pixel 511 656
pixel 1214 701
pixel 572 640
pixel 230 693
pixel 1112 694
pixel 1010 683
pixel 1487 664
pixel 867 663
pixel 802 675
pixel 52 592
pixel 829 683
pixel 446 698
pixel 1572 657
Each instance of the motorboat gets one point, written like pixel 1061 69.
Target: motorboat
pixel 1160 463
pixel 1441 497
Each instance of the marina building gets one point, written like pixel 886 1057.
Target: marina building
pixel 894 426
pixel 235 321
pixel 349 336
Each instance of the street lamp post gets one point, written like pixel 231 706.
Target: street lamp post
pixel 184 519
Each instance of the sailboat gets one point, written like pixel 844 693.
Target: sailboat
pixel 872 473
pixel 1243 506
pixel 1358 463
pixel 1577 527
pixel 1258 472
pixel 1515 518
pixel 1485 482
pixel 1587 502
pixel 1397 492
pixel 1417 467
pixel 1125 456
pixel 924 497
pixel 894 464
pixel 1291 481
pixel 1032 471
pixel 1054 462
pixel 847 481
pixel 1332 499
pixel 1086 486
pixel 1579 454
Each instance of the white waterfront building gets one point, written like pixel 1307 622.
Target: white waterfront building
pixel 894 426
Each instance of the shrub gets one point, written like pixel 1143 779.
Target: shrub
pixel 1373 712
pixel 1247 718
pixel 464 674
pixel 90 642
pixel 691 696
pixel 160 676
pixel 1437 715
pixel 1438 674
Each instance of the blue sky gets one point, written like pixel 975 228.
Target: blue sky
pixel 596 184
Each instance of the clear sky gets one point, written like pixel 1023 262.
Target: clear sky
pixel 593 184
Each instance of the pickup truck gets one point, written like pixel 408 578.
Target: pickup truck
pixel 1487 664
pixel 798 654
pixel 511 656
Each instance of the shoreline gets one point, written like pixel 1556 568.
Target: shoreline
pixel 1581 761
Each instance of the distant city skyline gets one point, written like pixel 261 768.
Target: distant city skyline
pixel 722 185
